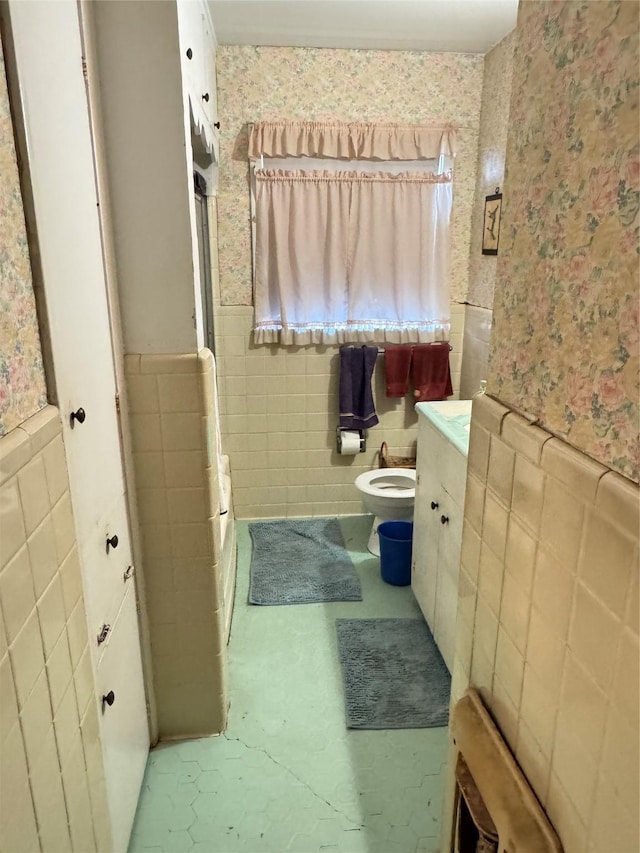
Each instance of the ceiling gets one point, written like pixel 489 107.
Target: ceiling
pixel 460 26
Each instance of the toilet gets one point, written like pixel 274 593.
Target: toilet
pixel 389 494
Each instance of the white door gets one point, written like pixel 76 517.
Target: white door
pixel 54 103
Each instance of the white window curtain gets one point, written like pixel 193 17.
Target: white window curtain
pixel 351 256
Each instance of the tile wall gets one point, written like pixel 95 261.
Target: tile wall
pixel 279 412
pixel 548 622
pixel 52 791
pixel 475 349
pixel 173 438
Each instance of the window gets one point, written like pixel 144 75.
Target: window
pixel 351 233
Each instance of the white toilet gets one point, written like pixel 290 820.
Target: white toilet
pixel 389 494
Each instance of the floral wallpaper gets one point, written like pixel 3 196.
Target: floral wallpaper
pixel 22 385
pixel 343 85
pixel 565 337
pixel 492 145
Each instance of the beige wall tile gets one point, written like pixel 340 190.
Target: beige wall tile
pixel 470 551
pixel 527 439
pixel 486 632
pixel 561 525
pixel 48 797
pixel 179 393
pixel 35 719
pixel 538 710
pixel 187 505
pixel 52 614
pixel 553 592
pixel 569 825
pixel 59 672
pixel 575 470
pixel 63 527
pixel 66 724
pixel 150 470
pixel 77 633
pixel 509 669
pixel 515 607
pixel 632 616
pixel 618 500
pixel 606 562
pixel 83 681
pixel 620 757
pixel 145 432
pixel 533 762
pixel 614 824
pixel 528 485
pixel 474 503
pixel 504 713
pixel 169 363
pixel 626 683
pixel 8 701
pixel 16 593
pixel 27 658
pixel 583 706
pixel 478 456
pixel 71 579
pixel 189 540
pixel 494 527
pixel 594 636
pixel 500 471
pixel 576 769
pixel 490 578
pixel 184 469
pixel 489 413
pixel 143 394
pixel 18 832
pixel 43 555
pixel 55 466
pixel 545 651
pixel 15 453
pixel 520 554
pixel 76 793
pixel 34 494
pixel 11 522
pixel 153 506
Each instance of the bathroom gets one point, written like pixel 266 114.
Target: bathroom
pixel 279 407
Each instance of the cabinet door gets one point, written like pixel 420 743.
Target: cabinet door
pixel 53 98
pixel 446 593
pixel 125 740
pixel 425 541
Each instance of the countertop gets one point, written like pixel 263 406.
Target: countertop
pixel 450 417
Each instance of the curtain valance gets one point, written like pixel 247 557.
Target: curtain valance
pixel 275 175
pixel 351 140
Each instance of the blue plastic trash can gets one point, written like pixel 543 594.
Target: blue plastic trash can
pixel 396 540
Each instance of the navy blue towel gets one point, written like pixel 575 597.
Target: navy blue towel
pixel 356 400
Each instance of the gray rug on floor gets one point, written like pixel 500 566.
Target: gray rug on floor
pixel 300 561
pixel 394 675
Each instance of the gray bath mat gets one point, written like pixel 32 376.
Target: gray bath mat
pixel 394 675
pixel 300 561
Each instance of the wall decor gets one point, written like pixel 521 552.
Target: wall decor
pixel 491 226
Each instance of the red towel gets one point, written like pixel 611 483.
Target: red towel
pixel 430 372
pixel 396 369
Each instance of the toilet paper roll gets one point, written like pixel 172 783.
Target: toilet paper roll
pixel 348 442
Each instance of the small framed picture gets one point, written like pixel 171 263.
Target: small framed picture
pixel 491 225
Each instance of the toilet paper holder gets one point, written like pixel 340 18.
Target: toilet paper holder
pixel 363 439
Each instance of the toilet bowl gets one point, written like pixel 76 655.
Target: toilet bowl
pixel 389 494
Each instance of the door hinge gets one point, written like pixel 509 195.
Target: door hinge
pixel 118 403
pixel 137 607
pixel 85 72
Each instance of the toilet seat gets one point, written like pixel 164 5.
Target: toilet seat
pixel 388 482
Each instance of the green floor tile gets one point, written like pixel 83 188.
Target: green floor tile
pixel 287 775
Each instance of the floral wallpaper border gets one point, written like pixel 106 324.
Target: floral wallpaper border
pixel 22 381
pixel 565 343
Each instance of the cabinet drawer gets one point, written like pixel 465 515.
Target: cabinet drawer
pixel 123 724
pixel 105 583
